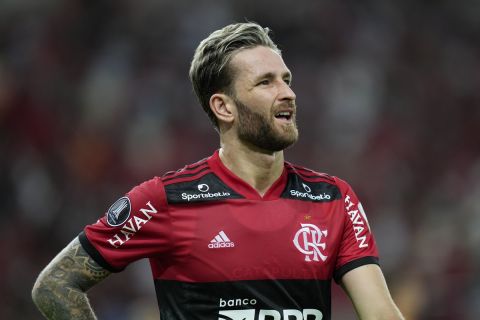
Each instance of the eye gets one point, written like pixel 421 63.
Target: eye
pixel 288 81
pixel 263 82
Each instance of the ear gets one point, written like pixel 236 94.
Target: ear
pixel 222 106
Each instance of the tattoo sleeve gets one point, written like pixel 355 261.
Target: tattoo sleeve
pixel 59 291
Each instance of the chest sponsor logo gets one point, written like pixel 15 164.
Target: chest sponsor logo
pixel 206 188
pixel 309 241
pixel 310 190
pixel 306 187
pixel 306 193
pixel 203 188
pixel 133 225
pixel 316 197
pixel 221 241
pixel 359 221
pixel 263 314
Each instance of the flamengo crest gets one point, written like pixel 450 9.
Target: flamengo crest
pixel 308 240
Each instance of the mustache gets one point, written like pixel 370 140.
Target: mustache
pixel 287 105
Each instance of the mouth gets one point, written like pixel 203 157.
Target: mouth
pixel 284 115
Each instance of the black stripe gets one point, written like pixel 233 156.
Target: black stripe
pixel 183 170
pixel 312 174
pixel 187 168
pixel 315 176
pixel 197 164
pixel 338 274
pixel 186 175
pixel 169 173
pixel 94 254
pixel 213 300
pixel 295 168
pixel 179 191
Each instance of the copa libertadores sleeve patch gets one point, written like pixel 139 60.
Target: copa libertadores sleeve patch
pixel 119 212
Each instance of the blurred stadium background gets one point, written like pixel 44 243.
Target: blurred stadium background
pixel 95 98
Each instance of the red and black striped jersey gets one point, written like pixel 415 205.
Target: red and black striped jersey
pixel 219 250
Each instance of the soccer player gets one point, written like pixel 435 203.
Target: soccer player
pixel 241 234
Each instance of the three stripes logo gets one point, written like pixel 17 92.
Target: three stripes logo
pixel 221 241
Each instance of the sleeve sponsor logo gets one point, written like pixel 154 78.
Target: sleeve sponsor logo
pixel 133 225
pixel 119 212
pixel 359 221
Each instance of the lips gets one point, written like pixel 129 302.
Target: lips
pixel 284 114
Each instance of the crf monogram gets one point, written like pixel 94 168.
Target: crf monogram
pixel 308 241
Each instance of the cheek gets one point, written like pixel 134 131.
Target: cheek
pixel 260 104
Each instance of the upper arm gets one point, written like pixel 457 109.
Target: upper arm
pixel 368 291
pixel 71 269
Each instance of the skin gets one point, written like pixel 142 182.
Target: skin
pixel 369 293
pixel 261 167
pixel 262 83
pixel 262 89
pixel 60 290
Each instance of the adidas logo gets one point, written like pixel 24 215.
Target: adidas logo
pixel 221 241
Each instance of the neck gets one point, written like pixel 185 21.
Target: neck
pixel 257 168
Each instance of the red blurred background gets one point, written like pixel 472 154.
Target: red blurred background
pixel 95 98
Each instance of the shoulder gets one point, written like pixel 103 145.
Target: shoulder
pixel 307 175
pixel 310 185
pixel 196 182
pixel 188 172
pixel 155 187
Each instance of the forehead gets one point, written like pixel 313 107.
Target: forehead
pixel 254 62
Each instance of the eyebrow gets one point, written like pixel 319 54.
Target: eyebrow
pixel 271 75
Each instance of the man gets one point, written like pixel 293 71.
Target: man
pixel 241 234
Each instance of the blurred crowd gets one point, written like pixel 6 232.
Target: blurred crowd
pixel 95 98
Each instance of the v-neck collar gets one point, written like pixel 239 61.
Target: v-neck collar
pixel 242 187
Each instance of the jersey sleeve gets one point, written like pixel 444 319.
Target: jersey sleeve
pixel 358 245
pixel 136 226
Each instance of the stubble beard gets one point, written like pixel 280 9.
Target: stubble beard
pixel 259 131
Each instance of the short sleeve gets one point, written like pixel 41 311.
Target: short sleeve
pixel 358 245
pixel 135 226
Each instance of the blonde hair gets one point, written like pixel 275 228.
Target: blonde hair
pixel 209 70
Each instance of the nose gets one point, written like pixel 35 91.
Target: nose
pixel 286 92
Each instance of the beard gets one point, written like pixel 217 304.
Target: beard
pixel 259 130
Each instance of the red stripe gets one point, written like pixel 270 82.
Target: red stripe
pixel 184 170
pixel 185 178
pixel 309 174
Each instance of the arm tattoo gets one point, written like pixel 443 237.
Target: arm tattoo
pixel 59 291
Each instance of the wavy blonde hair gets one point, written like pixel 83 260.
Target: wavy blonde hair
pixel 210 72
